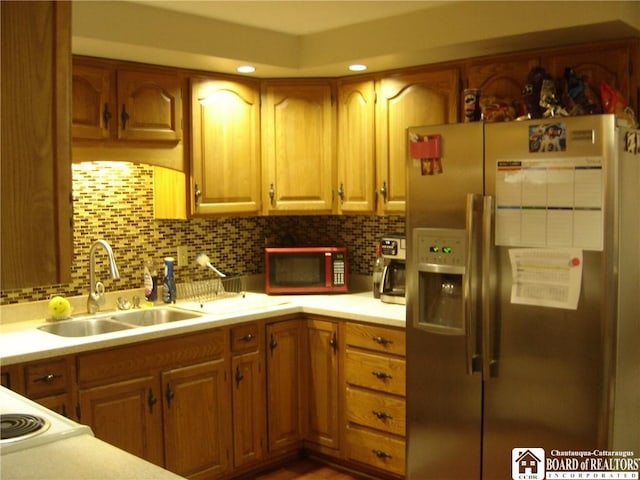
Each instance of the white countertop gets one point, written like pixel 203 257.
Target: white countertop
pixel 21 341
pixel 80 457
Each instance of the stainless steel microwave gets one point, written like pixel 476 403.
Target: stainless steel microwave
pixel 306 270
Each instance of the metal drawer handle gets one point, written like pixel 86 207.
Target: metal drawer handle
pixel 382 341
pixel 246 338
pixel 48 378
pixel 381 454
pixel 381 375
pixel 382 415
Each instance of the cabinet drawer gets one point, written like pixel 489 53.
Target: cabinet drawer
pixel 376 450
pixel 47 378
pixel 375 372
pixel 382 412
pixel 244 338
pixel 376 338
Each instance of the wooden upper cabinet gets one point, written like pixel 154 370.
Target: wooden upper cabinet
pixel 356 146
pixel 408 100
pixel 297 146
pixel 112 103
pixel 225 153
pixel 92 115
pixel 611 62
pixel 503 80
pixel 149 106
pixel 35 146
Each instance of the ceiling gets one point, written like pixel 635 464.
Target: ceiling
pixel 292 17
pixel 320 38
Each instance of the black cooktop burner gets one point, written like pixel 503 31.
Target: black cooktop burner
pixel 18 426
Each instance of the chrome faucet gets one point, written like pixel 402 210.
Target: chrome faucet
pixel 96 293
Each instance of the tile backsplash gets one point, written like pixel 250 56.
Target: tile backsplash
pixel 114 201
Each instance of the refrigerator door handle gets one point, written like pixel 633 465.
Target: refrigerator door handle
pixel 489 328
pixel 473 356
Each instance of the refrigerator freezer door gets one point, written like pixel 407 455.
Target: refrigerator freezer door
pixel 444 399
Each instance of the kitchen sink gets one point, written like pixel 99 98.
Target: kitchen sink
pixel 155 316
pixel 84 327
pixel 115 322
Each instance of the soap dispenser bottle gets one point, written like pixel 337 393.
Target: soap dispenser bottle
pixel 169 292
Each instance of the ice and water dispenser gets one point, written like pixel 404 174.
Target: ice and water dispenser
pixel 440 256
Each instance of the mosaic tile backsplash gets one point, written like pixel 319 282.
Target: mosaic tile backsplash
pixel 114 201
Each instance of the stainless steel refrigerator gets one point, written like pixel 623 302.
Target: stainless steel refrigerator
pixel 523 288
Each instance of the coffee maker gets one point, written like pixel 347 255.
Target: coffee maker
pixel 393 250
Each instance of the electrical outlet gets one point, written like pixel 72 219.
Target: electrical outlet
pixel 183 255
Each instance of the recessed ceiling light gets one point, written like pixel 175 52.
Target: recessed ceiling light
pixel 246 69
pixel 357 67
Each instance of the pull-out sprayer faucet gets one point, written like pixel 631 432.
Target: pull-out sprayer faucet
pixel 96 292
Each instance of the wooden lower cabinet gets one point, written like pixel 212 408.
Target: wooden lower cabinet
pixel 321 382
pixel 166 401
pixel 228 402
pixel 248 395
pixel 197 424
pixel 284 392
pixel 126 414
pixel 48 382
pixel 374 396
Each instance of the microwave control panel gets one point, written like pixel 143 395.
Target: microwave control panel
pixel 338 268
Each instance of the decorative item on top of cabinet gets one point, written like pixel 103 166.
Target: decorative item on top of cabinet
pixel 423 97
pixel 35 152
pixel 612 62
pixel 225 146
pixel 375 389
pixel 356 146
pixel 129 112
pixel 284 393
pixel 297 147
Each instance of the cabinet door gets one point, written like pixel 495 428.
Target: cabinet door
pixel 408 100
pixel 126 414
pixel 249 419
pixel 284 405
pixel 322 383
pixel 149 106
pixel 297 147
pixel 225 150
pixel 93 115
pixel 355 146
pixel 35 151
pixel 608 62
pixel 503 79
pixel 197 420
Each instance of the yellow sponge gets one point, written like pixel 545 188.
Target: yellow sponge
pixel 59 307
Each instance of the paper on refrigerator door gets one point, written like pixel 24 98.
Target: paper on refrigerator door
pixel 546 277
pixel 551 203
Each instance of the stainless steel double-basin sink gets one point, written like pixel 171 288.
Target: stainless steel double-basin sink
pixel 116 321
